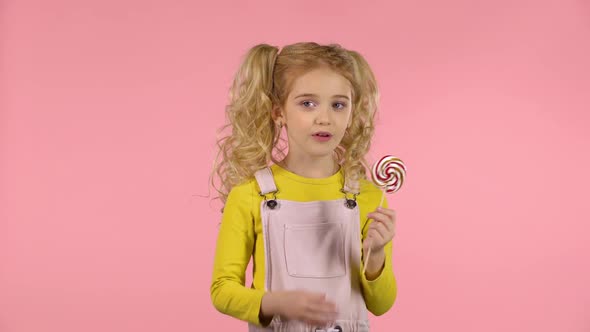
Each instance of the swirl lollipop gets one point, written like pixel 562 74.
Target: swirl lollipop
pixel 388 173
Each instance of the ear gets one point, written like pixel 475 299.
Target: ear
pixel 277 114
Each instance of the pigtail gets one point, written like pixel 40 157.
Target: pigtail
pixel 249 146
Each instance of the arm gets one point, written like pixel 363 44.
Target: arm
pixel 235 243
pixel 378 284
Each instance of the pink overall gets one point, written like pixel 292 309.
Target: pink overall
pixel 313 246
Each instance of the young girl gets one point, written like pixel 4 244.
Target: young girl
pixel 308 218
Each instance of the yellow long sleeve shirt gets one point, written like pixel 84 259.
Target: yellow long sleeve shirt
pixel 240 238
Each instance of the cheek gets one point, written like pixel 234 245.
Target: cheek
pixel 297 129
pixel 301 122
pixel 344 120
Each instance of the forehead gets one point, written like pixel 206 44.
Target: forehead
pixel 321 81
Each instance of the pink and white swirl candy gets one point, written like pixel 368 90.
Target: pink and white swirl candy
pixel 389 173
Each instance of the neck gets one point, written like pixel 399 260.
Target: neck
pixel 318 168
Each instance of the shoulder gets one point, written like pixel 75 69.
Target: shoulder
pixel 241 198
pixel 368 187
pixel 244 189
pixel 241 195
pixel 371 192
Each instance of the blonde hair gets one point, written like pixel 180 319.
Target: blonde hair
pixel 264 80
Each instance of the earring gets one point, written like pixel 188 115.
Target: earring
pixel 280 124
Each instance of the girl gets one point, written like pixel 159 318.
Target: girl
pixel 306 216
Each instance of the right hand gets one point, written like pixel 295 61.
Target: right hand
pixel 304 306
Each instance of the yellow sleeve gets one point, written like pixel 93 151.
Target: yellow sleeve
pixel 380 293
pixel 235 243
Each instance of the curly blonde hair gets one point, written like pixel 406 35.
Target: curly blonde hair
pixel 264 80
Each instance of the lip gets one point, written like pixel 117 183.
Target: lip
pixel 322 136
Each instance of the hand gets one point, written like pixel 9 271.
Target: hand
pixel 381 230
pixel 307 307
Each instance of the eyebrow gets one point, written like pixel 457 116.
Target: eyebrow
pixel 314 95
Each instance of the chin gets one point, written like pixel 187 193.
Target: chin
pixel 322 153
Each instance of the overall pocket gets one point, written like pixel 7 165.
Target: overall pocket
pixel 315 250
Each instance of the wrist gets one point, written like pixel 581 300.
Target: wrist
pixel 375 264
pixel 269 307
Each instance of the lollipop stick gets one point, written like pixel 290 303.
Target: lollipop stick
pixel 382 197
pixel 369 251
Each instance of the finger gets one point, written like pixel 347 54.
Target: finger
pixel 323 312
pixel 370 234
pixel 321 300
pixel 316 297
pixel 384 231
pixel 373 239
pixel 375 231
pixel 381 215
pixel 326 308
pixel 380 229
pixel 323 305
pixel 390 212
pixel 378 236
pixel 378 216
pixel 320 314
pixel 383 219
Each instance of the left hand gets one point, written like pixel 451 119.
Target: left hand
pixel 381 230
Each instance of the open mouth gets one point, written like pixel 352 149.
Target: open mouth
pixel 323 134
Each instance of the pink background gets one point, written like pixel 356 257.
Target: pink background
pixel 108 119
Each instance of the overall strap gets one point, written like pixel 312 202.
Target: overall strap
pixel 265 181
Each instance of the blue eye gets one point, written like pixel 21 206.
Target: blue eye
pixel 343 105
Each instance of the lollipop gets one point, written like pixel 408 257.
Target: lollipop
pixel 388 173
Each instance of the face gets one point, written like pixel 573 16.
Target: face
pixel 316 113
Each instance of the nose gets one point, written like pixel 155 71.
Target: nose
pixel 323 116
